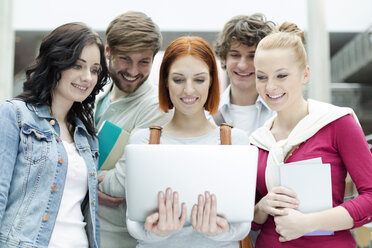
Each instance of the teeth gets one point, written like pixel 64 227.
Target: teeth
pixel 80 87
pixel 245 74
pixel 275 96
pixel 189 100
pixel 129 78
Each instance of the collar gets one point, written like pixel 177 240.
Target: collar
pixel 225 100
pixel 42 111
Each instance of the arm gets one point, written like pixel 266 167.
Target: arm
pixel 357 158
pixel 9 140
pixel 113 183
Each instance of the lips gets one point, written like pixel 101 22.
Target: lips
pixel 189 100
pixel 80 87
pixel 241 74
pixel 275 96
pixel 129 78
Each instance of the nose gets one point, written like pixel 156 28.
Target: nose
pixel 270 85
pixel 189 87
pixel 243 63
pixel 86 75
pixel 133 70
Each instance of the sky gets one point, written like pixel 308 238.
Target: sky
pixel 190 15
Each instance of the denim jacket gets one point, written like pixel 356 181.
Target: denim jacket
pixel 33 167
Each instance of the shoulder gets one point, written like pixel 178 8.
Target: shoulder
pixel 239 137
pixel 139 136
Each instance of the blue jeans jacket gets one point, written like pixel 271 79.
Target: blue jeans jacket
pixel 33 167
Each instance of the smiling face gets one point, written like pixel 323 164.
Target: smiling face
pixel 188 85
pixel 77 82
pixel 130 70
pixel 280 78
pixel 240 66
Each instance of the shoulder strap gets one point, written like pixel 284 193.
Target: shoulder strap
pixel 218 118
pixel 155 132
pixel 225 134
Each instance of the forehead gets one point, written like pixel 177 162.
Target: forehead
pixel 277 57
pixel 137 55
pixel 189 63
pixel 90 53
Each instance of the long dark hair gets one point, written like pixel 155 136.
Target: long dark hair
pixel 59 51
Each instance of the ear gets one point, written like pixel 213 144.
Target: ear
pixel 223 64
pixel 306 75
pixel 107 51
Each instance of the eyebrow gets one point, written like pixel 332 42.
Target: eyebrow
pixel 233 50
pixel 280 69
pixel 195 75
pixel 83 60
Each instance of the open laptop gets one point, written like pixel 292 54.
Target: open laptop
pixel 228 171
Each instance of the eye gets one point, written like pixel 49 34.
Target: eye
pixel 260 78
pixel 235 55
pixel 95 70
pixel 282 75
pixel 77 66
pixel 124 58
pixel 177 80
pixel 145 62
pixel 199 80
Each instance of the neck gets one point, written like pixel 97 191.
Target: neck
pixel 287 120
pixel 59 109
pixel 186 126
pixel 116 93
pixel 244 97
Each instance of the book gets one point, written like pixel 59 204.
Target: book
pixel 112 141
pixel 311 180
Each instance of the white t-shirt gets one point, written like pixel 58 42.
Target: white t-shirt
pixel 69 229
pixel 243 117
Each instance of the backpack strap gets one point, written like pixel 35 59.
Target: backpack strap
pixel 218 119
pixel 155 132
pixel 225 134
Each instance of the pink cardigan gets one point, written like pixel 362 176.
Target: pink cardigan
pixel 343 145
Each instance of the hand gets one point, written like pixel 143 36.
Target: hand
pixel 292 225
pixel 276 200
pixel 167 220
pixel 106 200
pixel 204 217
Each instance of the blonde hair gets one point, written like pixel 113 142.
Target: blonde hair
pixel 287 35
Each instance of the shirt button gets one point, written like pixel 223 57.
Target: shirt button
pixel 91 203
pixel 60 160
pixel 45 217
pixel 52 122
pixel 54 188
pixel 58 139
pixel 369 218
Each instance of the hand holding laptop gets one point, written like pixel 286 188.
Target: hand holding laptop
pixel 168 220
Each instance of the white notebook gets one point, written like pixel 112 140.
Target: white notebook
pixel 311 180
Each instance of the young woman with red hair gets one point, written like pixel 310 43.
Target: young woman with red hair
pixel 189 84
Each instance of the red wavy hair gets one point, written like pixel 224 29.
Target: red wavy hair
pixel 199 48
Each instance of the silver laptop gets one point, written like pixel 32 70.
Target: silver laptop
pixel 228 171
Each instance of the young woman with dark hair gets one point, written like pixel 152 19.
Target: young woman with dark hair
pixel 48 177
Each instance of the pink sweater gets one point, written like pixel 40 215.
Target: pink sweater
pixel 343 145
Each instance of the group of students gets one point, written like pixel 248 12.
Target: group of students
pixel 50 188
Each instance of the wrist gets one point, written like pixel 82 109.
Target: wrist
pixel 310 223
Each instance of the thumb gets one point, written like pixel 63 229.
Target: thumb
pixel 151 220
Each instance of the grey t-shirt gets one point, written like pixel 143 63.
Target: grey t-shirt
pixel 187 237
